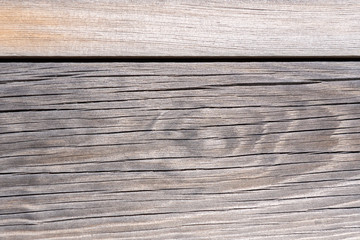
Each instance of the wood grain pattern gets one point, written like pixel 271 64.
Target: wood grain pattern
pixel 180 150
pixel 180 28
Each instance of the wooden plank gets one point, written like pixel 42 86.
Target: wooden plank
pixel 180 28
pixel 180 150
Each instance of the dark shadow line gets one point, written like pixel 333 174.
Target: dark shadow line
pixel 179 59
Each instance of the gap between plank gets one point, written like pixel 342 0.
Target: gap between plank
pixel 180 59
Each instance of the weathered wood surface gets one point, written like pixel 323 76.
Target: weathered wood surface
pixel 180 150
pixel 180 28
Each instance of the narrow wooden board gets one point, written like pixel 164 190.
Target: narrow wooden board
pixel 180 28
pixel 180 150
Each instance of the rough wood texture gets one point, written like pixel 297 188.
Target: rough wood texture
pixel 180 150
pixel 180 28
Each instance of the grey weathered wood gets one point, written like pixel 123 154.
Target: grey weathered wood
pixel 180 28
pixel 180 150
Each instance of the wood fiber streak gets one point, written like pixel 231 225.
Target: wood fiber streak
pixel 179 150
pixel 180 28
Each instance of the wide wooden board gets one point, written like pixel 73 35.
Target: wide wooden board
pixel 180 28
pixel 180 150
